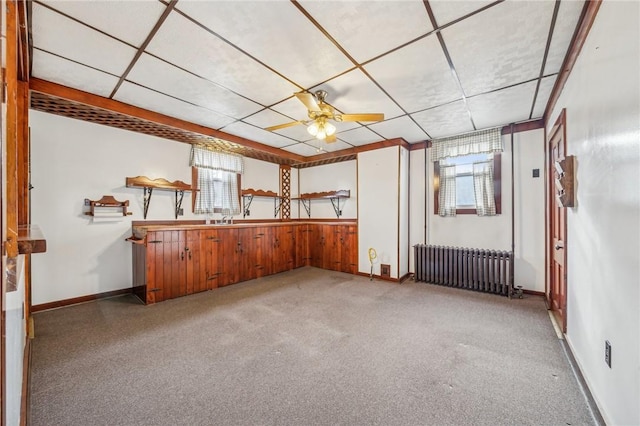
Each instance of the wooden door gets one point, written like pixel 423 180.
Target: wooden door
pixel 211 257
pixel 349 249
pixel 557 236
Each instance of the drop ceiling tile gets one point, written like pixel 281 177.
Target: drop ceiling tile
pixel 446 120
pixel 360 136
pixel 62 71
pixel 366 29
pixel 446 11
pixel 266 118
pixel 256 134
pixel 181 41
pixel 163 77
pixel 133 94
pixel 401 127
pixel 57 34
pixel 502 107
pixel 333 146
pixel 298 133
pixel 302 149
pixel 502 46
pixel 568 17
pixel 276 33
pixel 354 93
pixel 129 21
pixel 544 91
pixel 416 76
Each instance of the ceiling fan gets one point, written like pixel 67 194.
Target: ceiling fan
pixel 320 113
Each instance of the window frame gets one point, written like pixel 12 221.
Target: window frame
pixel 195 190
pixel 497 187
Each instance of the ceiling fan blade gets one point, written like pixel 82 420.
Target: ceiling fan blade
pixel 362 117
pixel 308 100
pixel 283 126
pixel 330 139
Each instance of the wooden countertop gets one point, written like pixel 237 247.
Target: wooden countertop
pixel 31 240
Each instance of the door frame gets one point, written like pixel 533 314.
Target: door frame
pixel 558 126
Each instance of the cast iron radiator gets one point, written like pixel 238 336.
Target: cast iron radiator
pixel 483 270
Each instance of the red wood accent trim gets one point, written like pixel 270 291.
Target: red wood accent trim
pixel 31 240
pixel 524 127
pixel 82 299
pixel 351 151
pixel 22 133
pixel 379 278
pixel 534 293
pixel 26 385
pixel 259 193
pixel 587 18
pixel 159 183
pixel 419 145
pixel 74 95
pixel 342 193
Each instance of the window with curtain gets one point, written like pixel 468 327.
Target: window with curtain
pixel 217 177
pixel 467 174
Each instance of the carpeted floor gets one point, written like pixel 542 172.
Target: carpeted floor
pixel 306 347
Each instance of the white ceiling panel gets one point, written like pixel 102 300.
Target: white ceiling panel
pixel 354 93
pixel 446 11
pixel 180 41
pixel 129 21
pixel 250 132
pixel 546 86
pixel 401 127
pixel 62 71
pixel 366 29
pixel 447 120
pixel 266 118
pixel 331 147
pixel 359 136
pixel 62 36
pixel 423 80
pixel 276 33
pixel 503 106
pixel 302 149
pixel 298 133
pixel 165 78
pixel 498 48
pixel 148 99
pixel 566 22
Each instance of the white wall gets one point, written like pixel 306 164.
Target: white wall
pixel 330 177
pixel 403 214
pixel 378 187
pixel 15 324
pixel 602 101
pixel 417 194
pixel 265 176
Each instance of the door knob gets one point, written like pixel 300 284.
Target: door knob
pixel 558 246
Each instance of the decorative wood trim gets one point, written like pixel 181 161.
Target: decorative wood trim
pixel 31 240
pixel 26 385
pixel 523 127
pixel 378 277
pixel 587 18
pixel 82 299
pixel 23 156
pixel 159 183
pixel 89 99
pixel 107 201
pixel 259 193
pixel 341 193
pixel 533 292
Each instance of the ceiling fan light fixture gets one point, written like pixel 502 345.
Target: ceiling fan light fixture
pixel 313 129
pixel 330 129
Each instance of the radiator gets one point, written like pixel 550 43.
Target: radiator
pixel 488 271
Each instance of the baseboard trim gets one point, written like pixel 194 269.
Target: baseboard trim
pixel 582 383
pixel 533 292
pixel 379 277
pixel 26 385
pixel 82 299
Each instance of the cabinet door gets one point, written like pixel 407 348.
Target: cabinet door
pixel 301 245
pixel 165 265
pixel 196 274
pixel 349 248
pixel 228 258
pixel 284 248
pixel 316 245
pixel 211 257
pixel 262 251
pixel 332 247
pixel 246 256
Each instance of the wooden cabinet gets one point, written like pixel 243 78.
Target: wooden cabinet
pixel 169 263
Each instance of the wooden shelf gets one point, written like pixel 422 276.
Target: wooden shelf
pixel 334 196
pixel 107 201
pixel 162 184
pixel 247 198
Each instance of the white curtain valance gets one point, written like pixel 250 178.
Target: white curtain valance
pixel 204 158
pixel 481 142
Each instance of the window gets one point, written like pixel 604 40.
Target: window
pixel 466 186
pixel 218 181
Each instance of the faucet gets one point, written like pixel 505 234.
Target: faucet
pixel 227 219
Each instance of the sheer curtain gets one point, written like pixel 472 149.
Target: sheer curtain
pixel 217 181
pixel 447 195
pixel 483 188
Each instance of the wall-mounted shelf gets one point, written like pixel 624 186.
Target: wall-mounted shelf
pixel 247 198
pixel 334 196
pixel 107 202
pixel 162 184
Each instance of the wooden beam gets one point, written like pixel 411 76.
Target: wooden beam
pixel 64 92
pixel 587 18
pixel 524 127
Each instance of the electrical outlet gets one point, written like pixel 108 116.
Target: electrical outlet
pixel 536 173
pixel 607 353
